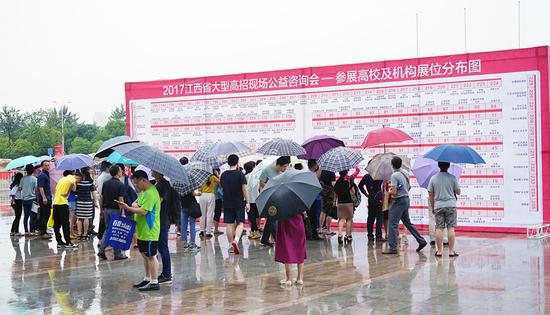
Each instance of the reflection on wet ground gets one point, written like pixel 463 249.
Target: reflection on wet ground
pixel 495 274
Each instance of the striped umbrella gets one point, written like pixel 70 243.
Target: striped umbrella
pixel 339 159
pixel 198 174
pixel 221 150
pixel 203 155
pixel 282 147
pixel 154 159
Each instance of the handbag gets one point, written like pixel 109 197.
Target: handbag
pixel 120 232
pixel 355 195
pixel 50 219
pixel 195 210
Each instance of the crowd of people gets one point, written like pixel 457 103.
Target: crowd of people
pixel 154 205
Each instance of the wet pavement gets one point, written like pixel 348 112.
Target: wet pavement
pixel 495 274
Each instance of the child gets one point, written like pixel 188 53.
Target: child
pixel 291 247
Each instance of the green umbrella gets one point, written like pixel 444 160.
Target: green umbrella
pixel 22 161
pixel 116 158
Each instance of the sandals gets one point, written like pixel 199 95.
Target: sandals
pixel 348 238
pixel 340 240
pixel 438 254
pixel 453 254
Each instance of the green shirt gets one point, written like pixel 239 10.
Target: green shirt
pixel 148 226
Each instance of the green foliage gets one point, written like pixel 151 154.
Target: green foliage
pixel 33 133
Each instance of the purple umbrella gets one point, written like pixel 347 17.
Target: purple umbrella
pixel 319 145
pixel 423 169
pixel 74 162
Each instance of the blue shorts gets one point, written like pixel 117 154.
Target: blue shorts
pixel 233 215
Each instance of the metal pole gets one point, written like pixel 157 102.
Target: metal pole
pixel 62 130
pixel 465 46
pixel 519 24
pixel 416 35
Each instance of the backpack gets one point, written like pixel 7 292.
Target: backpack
pixel 355 197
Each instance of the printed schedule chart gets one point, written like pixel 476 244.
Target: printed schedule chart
pixel 496 106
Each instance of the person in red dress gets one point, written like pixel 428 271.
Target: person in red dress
pixel 290 247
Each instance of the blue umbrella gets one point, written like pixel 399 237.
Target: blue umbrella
pixel 454 153
pixel 22 161
pixel 116 158
pixel 74 162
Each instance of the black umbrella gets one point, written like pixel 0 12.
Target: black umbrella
pixel 106 147
pixel 288 194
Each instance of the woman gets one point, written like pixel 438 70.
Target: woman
pixel 207 201
pixel 253 214
pixel 85 200
pixel 28 194
pixel 16 203
pixel 291 247
pixel 218 206
pixel 344 190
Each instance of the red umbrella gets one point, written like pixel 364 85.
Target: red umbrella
pixel 384 135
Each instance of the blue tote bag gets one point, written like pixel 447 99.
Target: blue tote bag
pixel 120 232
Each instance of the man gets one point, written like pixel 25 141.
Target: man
pixel 270 228
pixel 373 187
pixel 147 209
pixel 44 199
pixel 443 189
pixel 165 192
pixel 102 178
pixel 235 201
pixel 112 192
pixel 60 203
pixel 317 204
pixel 399 209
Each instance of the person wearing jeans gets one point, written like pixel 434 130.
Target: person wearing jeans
pixel 188 222
pixel 112 191
pixel 164 189
pixel 399 209
pixel 44 199
pixel 28 195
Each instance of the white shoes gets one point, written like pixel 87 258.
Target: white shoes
pixel 286 283
pixel 297 282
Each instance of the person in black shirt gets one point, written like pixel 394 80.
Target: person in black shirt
pixel 186 221
pixel 343 188
pixel 165 192
pixel 235 201
pixel 373 188
pixel 112 190
pixel 327 180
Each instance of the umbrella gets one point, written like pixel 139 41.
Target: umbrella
pixel 106 147
pixel 116 158
pixel 282 147
pixel 222 150
pixel 318 145
pixel 74 162
pixel 384 135
pixel 339 159
pixel 202 155
pixel 455 154
pixel 198 174
pixel 424 169
pixel 380 167
pixel 22 161
pixel 42 159
pixel 154 159
pixel 288 194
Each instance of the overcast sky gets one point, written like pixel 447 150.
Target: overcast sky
pixel 83 52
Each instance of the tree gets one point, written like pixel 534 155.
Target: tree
pixel 19 148
pixel 119 113
pixel 11 122
pixel 80 145
pixel 115 128
pixel 96 145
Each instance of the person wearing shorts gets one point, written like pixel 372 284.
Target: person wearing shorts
pixel 235 201
pixel 443 190
pixel 147 215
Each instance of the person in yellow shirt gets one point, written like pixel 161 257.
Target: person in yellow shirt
pixel 207 201
pixel 61 208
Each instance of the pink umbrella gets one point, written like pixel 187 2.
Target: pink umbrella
pixel 384 135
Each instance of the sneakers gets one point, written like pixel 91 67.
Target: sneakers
pixel 235 248
pixel 186 245
pixel 164 279
pixel 218 232
pixel 71 246
pixel 60 246
pixel 150 287
pixel 194 247
pixel 121 257
pixel 254 235
pixel 102 255
pixel 141 284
